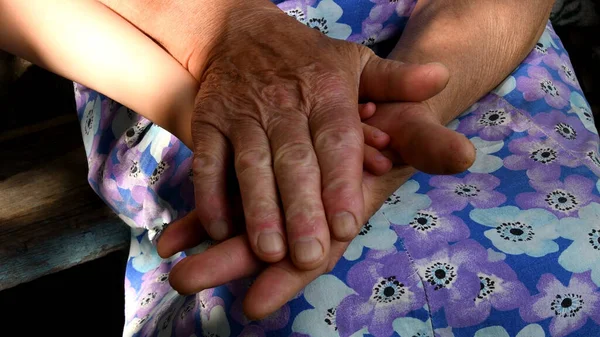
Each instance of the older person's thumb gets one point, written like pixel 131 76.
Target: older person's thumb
pixel 385 80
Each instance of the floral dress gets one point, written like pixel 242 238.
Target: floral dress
pixel 509 248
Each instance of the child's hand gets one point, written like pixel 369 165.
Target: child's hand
pixel 418 138
pixel 375 141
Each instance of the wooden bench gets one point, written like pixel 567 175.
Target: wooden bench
pixel 50 218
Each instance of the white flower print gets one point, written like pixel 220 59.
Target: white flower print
pixel 375 234
pixel 123 121
pixel 158 139
pixel 516 231
pixel 411 327
pixel 583 110
pixel 485 162
pixel 532 330
pixel 453 125
pixel 584 253
pixel 165 323
pixel 215 323
pixel 135 325
pixel 324 294
pixel 143 254
pixel 400 208
pixel 324 18
pixel 506 87
pixel 494 256
pixel 199 248
pixel 90 123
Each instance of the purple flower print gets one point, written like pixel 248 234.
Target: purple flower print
pixel 183 178
pixel 155 285
pixel 252 331
pixel 207 301
pixel 541 50
pixel 130 304
pixel 449 277
pixel 372 33
pixel 275 321
pixel 384 9
pixel 564 199
pixel 185 317
pixel 538 156
pixel 386 288
pixel 568 131
pixel 296 8
pixel 562 64
pixel 569 307
pixel 127 171
pixel 454 194
pixel 81 95
pixel 592 157
pixel 429 229
pixel 107 113
pixel 540 84
pixel 150 211
pixel 499 288
pixel 493 119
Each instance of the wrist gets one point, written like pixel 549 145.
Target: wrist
pixel 187 30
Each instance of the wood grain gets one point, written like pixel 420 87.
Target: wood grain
pixel 50 218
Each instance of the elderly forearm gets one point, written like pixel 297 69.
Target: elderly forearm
pixel 481 42
pixel 86 42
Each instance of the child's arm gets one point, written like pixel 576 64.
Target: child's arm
pixel 86 42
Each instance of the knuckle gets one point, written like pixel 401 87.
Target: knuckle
pixel 305 220
pixel 252 158
pixel 342 139
pixel 340 188
pixel 295 155
pixel 282 94
pixel 263 213
pixel 206 165
pixel 329 83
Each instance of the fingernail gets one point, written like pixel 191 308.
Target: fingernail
pixel 218 230
pixel 344 225
pixel 270 242
pixel 308 250
pixel 380 158
pixel 378 133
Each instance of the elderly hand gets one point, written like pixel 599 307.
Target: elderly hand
pixel 282 98
pixel 416 134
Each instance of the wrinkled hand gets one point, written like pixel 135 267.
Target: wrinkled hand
pixel 417 135
pixel 279 100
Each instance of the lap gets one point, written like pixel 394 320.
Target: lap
pixel 510 247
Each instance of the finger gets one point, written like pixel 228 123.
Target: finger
pixel 375 137
pixel 299 181
pixel 210 180
pixel 280 282
pixel 422 142
pixel 375 162
pixel 229 260
pixel 254 170
pixel 366 110
pixel 388 80
pixel 339 141
pixel 180 235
